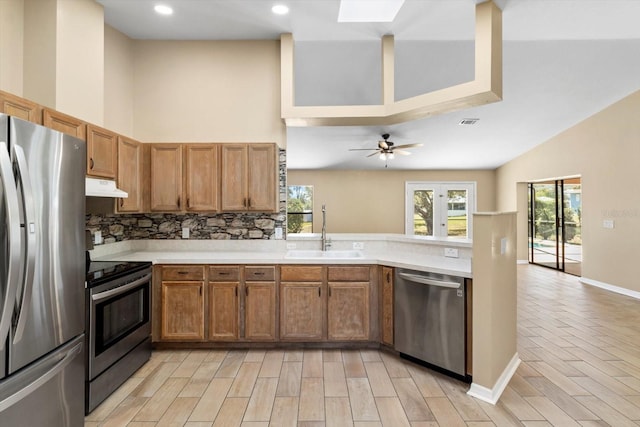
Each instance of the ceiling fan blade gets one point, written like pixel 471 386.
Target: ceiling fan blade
pixel 408 146
pixel 363 149
pixel 383 144
pixel 373 154
pixel 403 152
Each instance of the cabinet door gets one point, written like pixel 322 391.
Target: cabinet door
pixel 233 178
pixel 19 107
pixel 387 306
pixel 129 175
pixel 302 311
pixel 64 123
pixel 263 178
pixel 348 311
pixel 223 311
pixel 102 152
pixel 166 177
pixel 182 311
pixel 260 311
pixel 202 177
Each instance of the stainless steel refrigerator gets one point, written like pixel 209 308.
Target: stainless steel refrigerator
pixel 42 271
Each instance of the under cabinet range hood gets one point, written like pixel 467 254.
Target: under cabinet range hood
pixel 103 188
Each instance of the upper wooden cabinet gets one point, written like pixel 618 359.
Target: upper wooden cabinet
pixel 102 152
pixel 20 107
pixel 129 175
pixel 64 123
pixel 166 178
pixel 202 177
pixel 249 177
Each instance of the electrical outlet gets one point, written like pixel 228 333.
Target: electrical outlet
pixel 97 238
pixel 358 245
pixel 185 232
pixel 278 233
pixel 607 223
pixel 291 245
pixel 451 252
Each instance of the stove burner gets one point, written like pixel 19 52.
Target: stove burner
pixel 99 272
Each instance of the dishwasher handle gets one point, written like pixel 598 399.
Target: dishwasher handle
pixel 424 280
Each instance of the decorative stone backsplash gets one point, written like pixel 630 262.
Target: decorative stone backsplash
pixel 210 226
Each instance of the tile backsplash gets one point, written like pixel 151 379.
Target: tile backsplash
pixel 205 226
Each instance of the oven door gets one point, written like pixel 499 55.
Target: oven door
pixel 119 319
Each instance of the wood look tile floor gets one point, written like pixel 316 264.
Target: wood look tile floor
pixel 579 345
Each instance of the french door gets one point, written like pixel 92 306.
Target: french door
pixel 555 232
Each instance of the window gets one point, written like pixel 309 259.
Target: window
pixel 440 209
pixel 300 209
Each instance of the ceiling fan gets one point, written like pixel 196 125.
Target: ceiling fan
pixel 386 149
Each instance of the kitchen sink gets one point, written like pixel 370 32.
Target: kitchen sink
pixel 318 254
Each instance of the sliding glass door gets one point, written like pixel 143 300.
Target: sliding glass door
pixel 555 232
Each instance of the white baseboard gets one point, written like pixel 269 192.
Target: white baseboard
pixel 523 261
pixel 612 288
pixel 492 395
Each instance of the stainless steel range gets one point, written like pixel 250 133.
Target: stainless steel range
pixel 118 300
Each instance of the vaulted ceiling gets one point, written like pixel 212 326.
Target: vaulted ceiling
pixel 563 61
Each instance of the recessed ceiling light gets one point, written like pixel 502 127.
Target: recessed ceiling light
pixel 163 9
pixel 280 9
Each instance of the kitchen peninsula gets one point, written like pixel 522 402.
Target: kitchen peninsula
pixel 492 367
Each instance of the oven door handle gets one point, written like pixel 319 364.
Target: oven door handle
pixel 120 289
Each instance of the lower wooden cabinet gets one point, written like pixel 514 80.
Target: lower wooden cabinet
pixel 348 308
pixel 301 311
pixel 348 311
pixel 223 311
pixel 182 311
pixel 260 311
pixel 182 303
pixel 386 321
pixel 255 303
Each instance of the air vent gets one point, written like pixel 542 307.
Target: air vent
pixel 464 122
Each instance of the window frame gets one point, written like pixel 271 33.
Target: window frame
pixel 440 210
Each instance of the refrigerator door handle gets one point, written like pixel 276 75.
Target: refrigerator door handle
pixel 30 232
pixel 37 383
pixel 10 194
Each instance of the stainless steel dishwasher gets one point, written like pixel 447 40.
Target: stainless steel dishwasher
pixel 430 319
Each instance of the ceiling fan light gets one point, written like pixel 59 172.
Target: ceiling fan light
pixel 383 156
pixel 390 156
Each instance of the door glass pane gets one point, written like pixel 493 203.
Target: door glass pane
pixel 544 224
pixel 573 226
pixel 457 214
pixel 423 213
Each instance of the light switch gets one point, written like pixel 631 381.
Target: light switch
pixel 503 246
pixel 97 238
pixel 185 232
pixel 278 233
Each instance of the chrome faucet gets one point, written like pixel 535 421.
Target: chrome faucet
pixel 326 243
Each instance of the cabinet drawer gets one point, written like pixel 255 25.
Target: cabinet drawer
pixel 224 274
pixel 291 273
pixel 349 274
pixel 182 272
pixel 260 273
